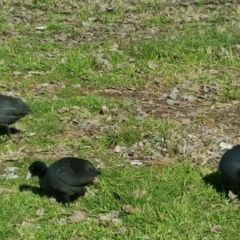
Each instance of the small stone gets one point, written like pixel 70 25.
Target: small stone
pixel 136 163
pixel 225 146
pixel 117 149
pixel 104 110
pixel 41 28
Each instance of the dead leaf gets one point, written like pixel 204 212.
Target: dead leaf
pixel 114 48
pixel 117 220
pixel 152 65
pixel 62 221
pixel 216 228
pixel 231 195
pixel 104 110
pixel 209 50
pixel 170 102
pixel 109 217
pixel 31 134
pixel 121 230
pixel 52 200
pixel 63 109
pixel 91 192
pixel 206 88
pixel 86 24
pixel 225 146
pixel 10 173
pixel 136 163
pixel 145 237
pixel 109 119
pixel 28 225
pixel 77 86
pixel 117 149
pixel 213 71
pixel 129 209
pixel 139 193
pixel 10 169
pixel 40 212
pixel 78 216
pixel 17 73
pixel 173 96
pixel 41 28
pixel 189 98
pixel 13 156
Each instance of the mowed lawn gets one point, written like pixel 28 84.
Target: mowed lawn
pixel 146 91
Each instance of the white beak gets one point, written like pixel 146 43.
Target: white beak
pixel 29 175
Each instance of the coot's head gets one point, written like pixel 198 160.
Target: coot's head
pixel 36 169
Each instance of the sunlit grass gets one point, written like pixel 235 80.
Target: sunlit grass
pixel 62 72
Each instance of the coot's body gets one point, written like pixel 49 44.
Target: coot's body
pixel 11 110
pixel 67 175
pixel 229 165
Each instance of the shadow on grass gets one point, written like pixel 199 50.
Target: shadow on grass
pixel 60 198
pixel 3 130
pixel 217 181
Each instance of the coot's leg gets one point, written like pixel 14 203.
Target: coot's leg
pixel 8 131
pixel 68 199
pixel 228 185
pixel 9 134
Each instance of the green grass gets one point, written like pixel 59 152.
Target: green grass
pixel 127 56
pixel 178 204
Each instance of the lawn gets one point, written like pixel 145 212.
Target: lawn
pixel 147 91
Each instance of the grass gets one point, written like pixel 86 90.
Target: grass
pixel 178 204
pixel 124 56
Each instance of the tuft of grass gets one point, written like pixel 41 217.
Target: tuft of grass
pixel 188 49
pixel 132 131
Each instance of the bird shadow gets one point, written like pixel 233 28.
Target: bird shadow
pixel 216 180
pixel 3 130
pixel 220 184
pixel 60 198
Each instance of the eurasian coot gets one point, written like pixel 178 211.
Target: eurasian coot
pixel 11 110
pixel 67 175
pixel 229 165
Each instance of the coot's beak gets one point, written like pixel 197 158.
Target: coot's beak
pixel 29 175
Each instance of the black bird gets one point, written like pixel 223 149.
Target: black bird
pixel 67 175
pixel 229 165
pixel 11 110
